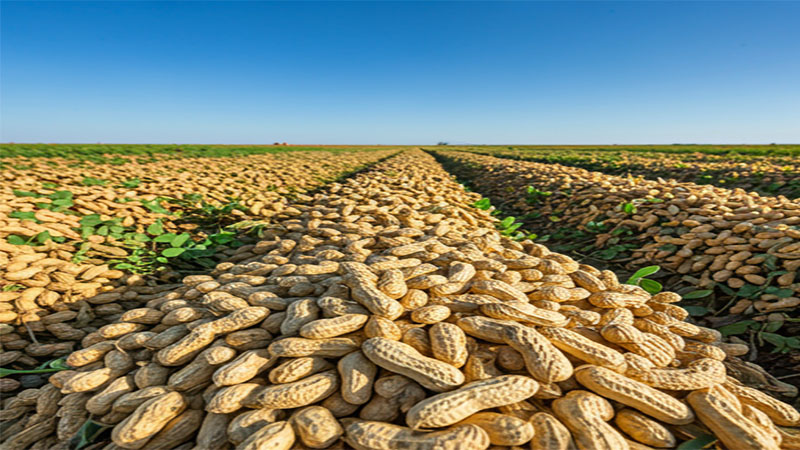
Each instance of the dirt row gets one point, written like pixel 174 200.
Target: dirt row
pixel 383 313
pixel 60 227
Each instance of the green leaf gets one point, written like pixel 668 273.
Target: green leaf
pixel 507 222
pixel 91 220
pixel 27 194
pixel 165 238
pixel 641 273
pixel 16 240
pixel 60 195
pixel 651 286
pixel 155 229
pixel 773 326
pixel 23 215
pixel 180 239
pixel 697 294
pixel 124 266
pixel 483 204
pixel 738 327
pixel 698 443
pixel 775 339
pixel 103 230
pixel 172 252
pixel 696 311
pixel 141 237
pixel 43 237
pixel 749 291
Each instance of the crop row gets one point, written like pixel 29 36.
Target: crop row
pixel 729 244
pixel 768 175
pixel 383 313
pixel 21 154
pixel 79 246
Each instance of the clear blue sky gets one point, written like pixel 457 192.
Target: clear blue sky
pixel 400 73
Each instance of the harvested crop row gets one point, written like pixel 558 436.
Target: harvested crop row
pixel 707 234
pixel 386 314
pixel 58 289
pixel 767 175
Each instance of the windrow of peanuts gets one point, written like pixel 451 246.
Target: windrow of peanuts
pixel 707 234
pixel 49 301
pixel 385 313
pixel 777 175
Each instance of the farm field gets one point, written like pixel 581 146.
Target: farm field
pixel 380 298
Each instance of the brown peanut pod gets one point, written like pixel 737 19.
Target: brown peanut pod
pixel 299 313
pixel 544 361
pixel 128 402
pixel 392 283
pixel 316 427
pixel 485 328
pixel 366 435
pixel 299 393
pixel 244 368
pixel 357 374
pixel 643 429
pixel 502 429
pixel 297 368
pixel 430 314
pixel 89 381
pixel 333 327
pixel 147 420
pixel 451 407
pixel 634 394
pixel 186 348
pixel 586 415
pixel 509 359
pixel 326 348
pixel 448 343
pixel 403 359
pixel 333 306
pixel 378 326
pixel 584 348
pixel 177 431
pixel 499 290
pixel 699 374
pixel 726 421
pixel 232 398
pixel 29 435
pixel 780 413
pixel 247 423
pixel 90 354
pixel 524 312
pixel 151 374
pixel 237 320
pixel 277 436
pixel 164 338
pixel 100 403
pixel 418 339
pixel 414 299
pixel 549 433
pixel 338 406
pixel 212 434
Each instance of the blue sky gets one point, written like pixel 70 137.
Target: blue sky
pixel 400 73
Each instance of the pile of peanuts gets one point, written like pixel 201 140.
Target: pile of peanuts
pixel 707 234
pixel 385 313
pixel 48 303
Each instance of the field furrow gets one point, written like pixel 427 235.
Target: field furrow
pixel 81 245
pixel 384 312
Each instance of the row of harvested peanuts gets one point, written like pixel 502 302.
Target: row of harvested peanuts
pixel 49 303
pixel 771 175
pixel 385 315
pixel 710 234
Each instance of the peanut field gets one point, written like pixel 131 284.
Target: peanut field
pixel 278 297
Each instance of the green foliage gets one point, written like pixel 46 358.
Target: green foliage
pixel 702 441
pixel 534 196
pixel 639 279
pixel 89 181
pixel 130 184
pixel 89 432
pixel 55 365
